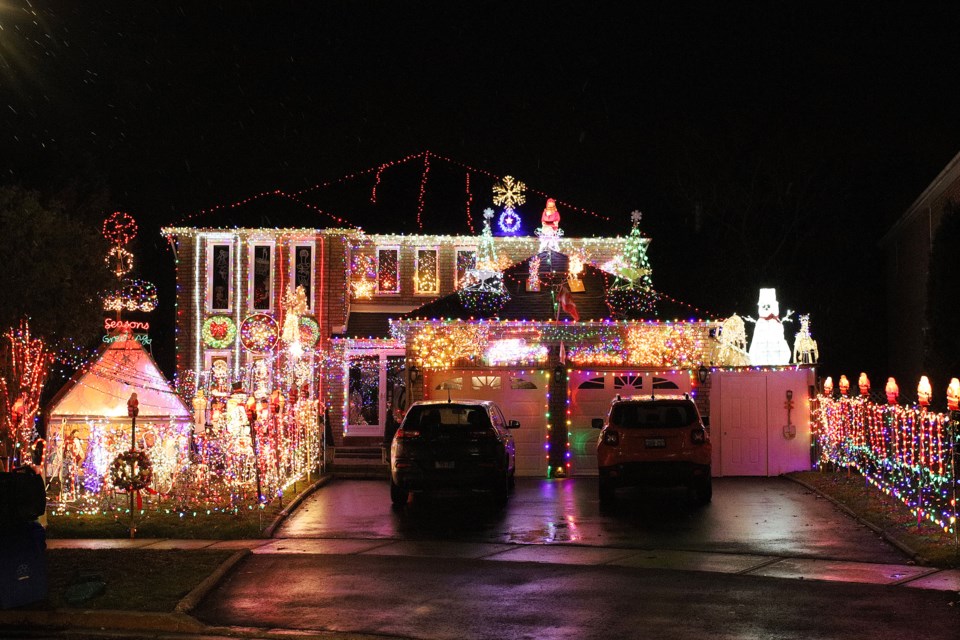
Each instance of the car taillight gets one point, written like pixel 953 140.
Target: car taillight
pixel 698 436
pixel 407 434
pixel 611 437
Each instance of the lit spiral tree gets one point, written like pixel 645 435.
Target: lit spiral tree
pixel 631 295
pixel 483 292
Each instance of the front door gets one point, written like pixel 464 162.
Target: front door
pixel 376 394
pixel 743 424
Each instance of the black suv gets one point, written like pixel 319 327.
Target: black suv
pixel 463 444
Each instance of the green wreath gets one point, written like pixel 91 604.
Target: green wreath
pixel 131 470
pixel 219 332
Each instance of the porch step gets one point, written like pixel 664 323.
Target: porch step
pixel 360 462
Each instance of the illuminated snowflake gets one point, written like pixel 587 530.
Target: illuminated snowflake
pixel 509 193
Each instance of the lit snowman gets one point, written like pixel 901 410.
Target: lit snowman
pixel 769 347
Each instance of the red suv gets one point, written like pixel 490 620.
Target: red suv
pixel 654 441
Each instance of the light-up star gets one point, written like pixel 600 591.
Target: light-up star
pixel 509 193
pixel 635 217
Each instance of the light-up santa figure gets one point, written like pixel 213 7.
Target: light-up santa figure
pixel 550 217
pixel 768 346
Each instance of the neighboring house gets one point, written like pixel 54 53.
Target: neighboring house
pixel 906 249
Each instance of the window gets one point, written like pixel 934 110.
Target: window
pixel 303 266
pixel 260 276
pixel 663 383
pixel 628 382
pixel 427 274
pixel 521 383
pixel 592 383
pixel 466 259
pixel 388 269
pixel 220 276
pixel 485 382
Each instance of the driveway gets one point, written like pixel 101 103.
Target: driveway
pixel 761 516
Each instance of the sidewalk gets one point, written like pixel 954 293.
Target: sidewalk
pixel 179 621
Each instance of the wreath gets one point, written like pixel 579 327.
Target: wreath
pixel 219 332
pixel 309 332
pixel 259 333
pixel 131 470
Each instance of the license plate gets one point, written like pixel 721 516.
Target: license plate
pixel 441 464
pixel 656 443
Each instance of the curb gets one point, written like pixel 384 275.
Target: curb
pixel 103 620
pixel 323 480
pixel 904 548
pixel 199 592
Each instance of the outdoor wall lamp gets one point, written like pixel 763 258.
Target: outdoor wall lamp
pixel 558 373
pixel 414 374
pixel 702 374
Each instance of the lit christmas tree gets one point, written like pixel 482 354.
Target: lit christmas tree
pixel 483 292
pixel 631 295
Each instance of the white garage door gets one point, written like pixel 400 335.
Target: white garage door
pixel 590 396
pixel 521 395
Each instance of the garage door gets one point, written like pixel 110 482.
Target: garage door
pixel 590 396
pixel 521 395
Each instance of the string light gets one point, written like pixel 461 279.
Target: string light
pixel 904 451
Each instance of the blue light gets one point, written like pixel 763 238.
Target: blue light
pixel 509 221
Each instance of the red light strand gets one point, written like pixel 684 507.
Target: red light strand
pixel 423 189
pixel 469 202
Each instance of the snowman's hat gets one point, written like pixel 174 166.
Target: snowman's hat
pixel 767 296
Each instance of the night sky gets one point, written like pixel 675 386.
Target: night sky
pixel 766 146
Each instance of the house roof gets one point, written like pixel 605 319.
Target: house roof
pixel 539 305
pixel 102 389
pixel 363 324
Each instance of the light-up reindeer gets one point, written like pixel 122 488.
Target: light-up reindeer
pixel 805 347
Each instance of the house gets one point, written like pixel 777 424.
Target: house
pixel 551 325
pixel 906 248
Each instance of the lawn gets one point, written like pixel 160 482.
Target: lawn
pixel 248 522
pixel 884 513
pixel 131 579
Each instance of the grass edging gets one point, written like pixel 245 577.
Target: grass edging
pixel 904 548
pixel 287 510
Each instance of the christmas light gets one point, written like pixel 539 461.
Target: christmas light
pixel 136 295
pixel 219 332
pixel 906 452
pixel 631 295
pixel 119 228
